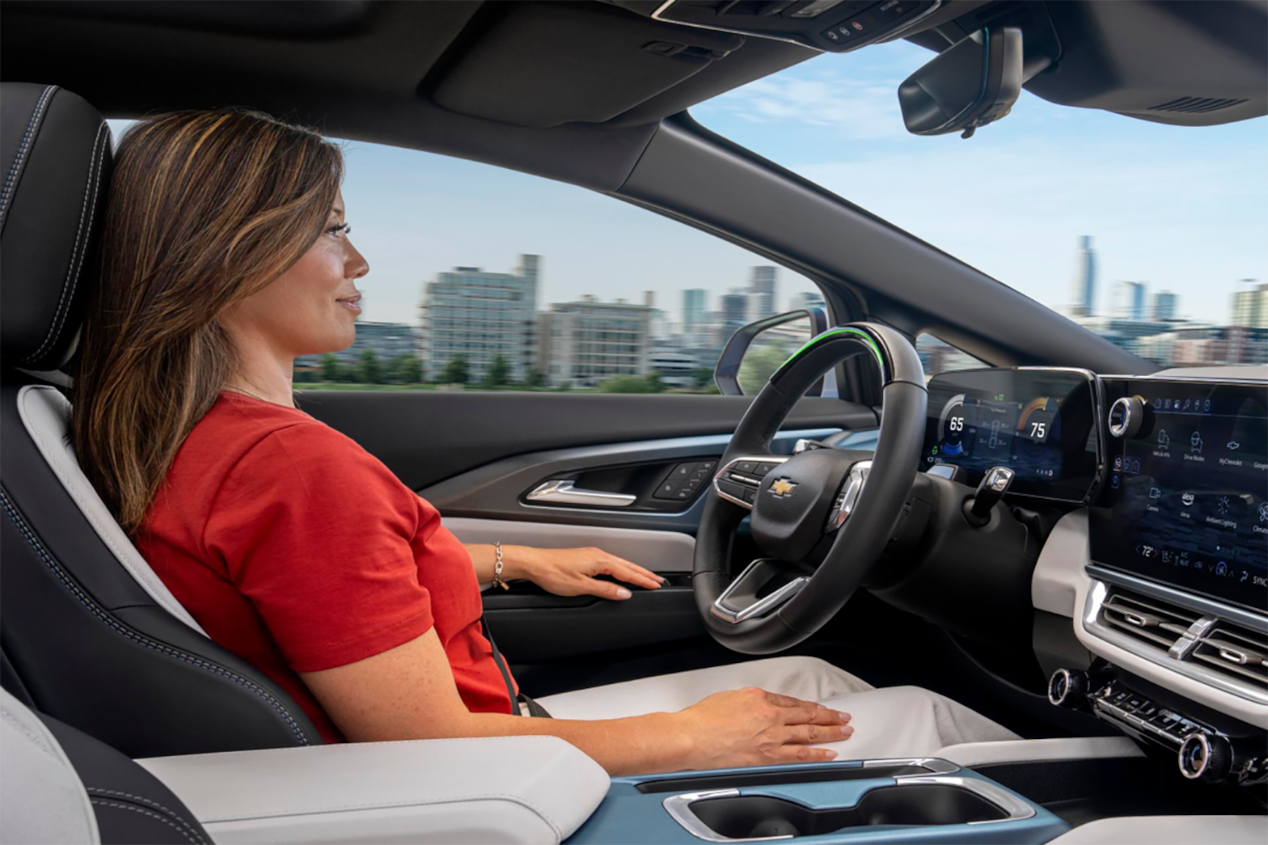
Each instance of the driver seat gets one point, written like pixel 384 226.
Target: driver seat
pixel 89 635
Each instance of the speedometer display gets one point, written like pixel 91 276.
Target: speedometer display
pixel 1039 423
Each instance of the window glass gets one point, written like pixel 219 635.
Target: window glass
pixel 512 282
pixel 1146 234
pixel 938 356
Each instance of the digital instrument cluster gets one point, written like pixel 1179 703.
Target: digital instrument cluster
pixel 1186 501
pixel 1040 423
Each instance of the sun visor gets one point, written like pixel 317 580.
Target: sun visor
pixel 545 64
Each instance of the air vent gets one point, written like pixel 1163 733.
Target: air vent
pixel 1149 620
pixel 1196 105
pixel 1235 651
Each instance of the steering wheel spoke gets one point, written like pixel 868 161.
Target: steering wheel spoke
pixel 760 589
pixel 848 497
pixel 740 479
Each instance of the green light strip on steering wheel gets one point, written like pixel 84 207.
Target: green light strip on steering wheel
pixel 871 344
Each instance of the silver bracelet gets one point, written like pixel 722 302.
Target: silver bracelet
pixel 497 567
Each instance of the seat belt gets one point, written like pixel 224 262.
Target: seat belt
pixel 534 709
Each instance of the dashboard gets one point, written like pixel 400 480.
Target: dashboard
pixel 1041 423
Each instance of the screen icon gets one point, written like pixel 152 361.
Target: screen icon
pixel 1263 512
pixel 1118 462
pixel 1155 493
pixel 1221 568
pixel 1206 406
pixel 1233 445
pixel 1195 443
pixel 1186 404
pixel 1187 499
pixel 1223 505
pixel 1164 439
pixel 1115 480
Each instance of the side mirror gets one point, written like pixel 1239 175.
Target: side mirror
pixel 755 351
pixel 969 84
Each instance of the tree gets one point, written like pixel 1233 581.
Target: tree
pixel 655 383
pixel 758 366
pixel 632 384
pixel 498 374
pixel 331 369
pixel 369 370
pixel 701 377
pixel 534 379
pixel 456 371
pixel 408 369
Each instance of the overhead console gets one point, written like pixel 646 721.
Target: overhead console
pixel 835 26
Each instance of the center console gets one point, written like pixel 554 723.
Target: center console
pixel 908 800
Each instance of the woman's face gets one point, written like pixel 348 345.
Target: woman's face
pixel 312 307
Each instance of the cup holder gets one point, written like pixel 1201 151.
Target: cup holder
pixel 727 815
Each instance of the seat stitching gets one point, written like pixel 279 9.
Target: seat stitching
pixel 18 162
pixel 44 746
pixel 77 254
pixel 97 802
pixel 171 813
pixel 129 634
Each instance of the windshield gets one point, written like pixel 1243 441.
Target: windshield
pixel 1150 235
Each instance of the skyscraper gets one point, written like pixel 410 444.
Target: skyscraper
pixel 1166 304
pixel 479 315
pixel 763 291
pixel 806 300
pixel 1250 307
pixel 694 305
pixel 1129 300
pixel 1085 285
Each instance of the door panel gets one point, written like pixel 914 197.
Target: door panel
pixel 428 436
pixel 475 455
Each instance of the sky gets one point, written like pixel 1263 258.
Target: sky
pixel 1182 209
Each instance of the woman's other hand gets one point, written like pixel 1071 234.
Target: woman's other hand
pixel 571 572
pixel 753 727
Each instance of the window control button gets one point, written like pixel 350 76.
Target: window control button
pixel 684 470
pixel 707 466
pixel 667 490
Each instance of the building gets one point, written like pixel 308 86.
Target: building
pixel 1207 346
pixel 1250 307
pixel 734 313
pixel 676 369
pixel 807 300
pixel 388 340
pixel 1085 283
pixel 1129 300
pixel 762 293
pixel 585 343
pixel 478 315
pixel 1165 306
pixel 1125 334
pixel 695 303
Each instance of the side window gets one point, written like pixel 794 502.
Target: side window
pixel 937 356
pixel 487 279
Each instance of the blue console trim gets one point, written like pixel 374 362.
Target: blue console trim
pixel 628 815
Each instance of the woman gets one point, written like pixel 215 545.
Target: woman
pixel 224 255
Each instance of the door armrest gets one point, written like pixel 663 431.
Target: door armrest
pixel 498 789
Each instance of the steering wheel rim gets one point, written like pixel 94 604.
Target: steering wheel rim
pixel 735 611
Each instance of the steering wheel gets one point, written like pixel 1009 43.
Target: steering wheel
pixel 847 502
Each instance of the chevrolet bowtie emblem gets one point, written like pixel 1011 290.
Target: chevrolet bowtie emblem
pixel 783 488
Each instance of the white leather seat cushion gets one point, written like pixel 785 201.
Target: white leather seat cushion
pixel 41 795
pixel 1169 830
pixel 45 413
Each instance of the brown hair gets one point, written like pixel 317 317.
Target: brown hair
pixel 205 208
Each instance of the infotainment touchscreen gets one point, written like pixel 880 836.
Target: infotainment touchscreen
pixel 1041 423
pixel 1187 497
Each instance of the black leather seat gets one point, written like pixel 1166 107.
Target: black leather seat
pixel 82 638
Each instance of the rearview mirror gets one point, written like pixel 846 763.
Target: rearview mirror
pixel 969 84
pixel 758 349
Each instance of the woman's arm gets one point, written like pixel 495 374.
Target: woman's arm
pixel 409 693
pixel 564 572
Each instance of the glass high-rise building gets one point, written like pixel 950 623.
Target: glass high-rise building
pixel 694 309
pixel 762 293
pixel 478 315
pixel 1130 300
pixel 1250 307
pixel 1165 307
pixel 1085 284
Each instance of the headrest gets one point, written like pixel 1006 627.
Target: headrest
pixel 55 155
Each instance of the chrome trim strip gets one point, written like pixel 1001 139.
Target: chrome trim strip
pixel 1091 613
pixel 1206 379
pixel 1201 604
pixel 762 605
pixel 849 498
pixel 656 15
pixel 563 491
pixel 1016 808
pixel 679 809
pixel 934 765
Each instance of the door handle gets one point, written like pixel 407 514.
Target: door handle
pixel 563 492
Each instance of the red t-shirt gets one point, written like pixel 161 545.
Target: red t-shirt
pixel 298 551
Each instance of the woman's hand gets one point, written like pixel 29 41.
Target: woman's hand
pixel 753 727
pixel 570 572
